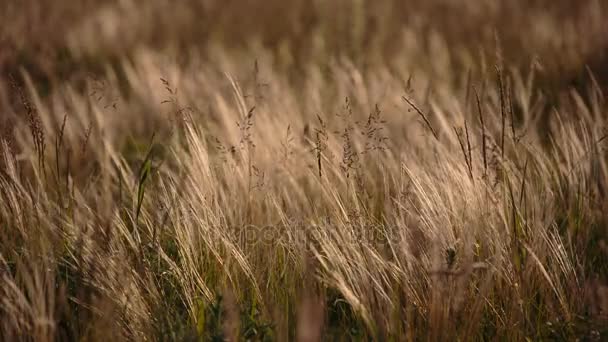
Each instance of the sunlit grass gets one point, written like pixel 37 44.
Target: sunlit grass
pixel 395 184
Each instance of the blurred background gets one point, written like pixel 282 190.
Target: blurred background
pixel 63 40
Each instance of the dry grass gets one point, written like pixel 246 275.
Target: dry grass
pixel 347 170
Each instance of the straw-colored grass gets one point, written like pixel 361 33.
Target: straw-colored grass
pixel 321 171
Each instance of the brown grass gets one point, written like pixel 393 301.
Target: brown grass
pixel 211 170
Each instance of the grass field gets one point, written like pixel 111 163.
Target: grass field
pixel 303 170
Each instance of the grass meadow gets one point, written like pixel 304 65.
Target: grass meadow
pixel 303 170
